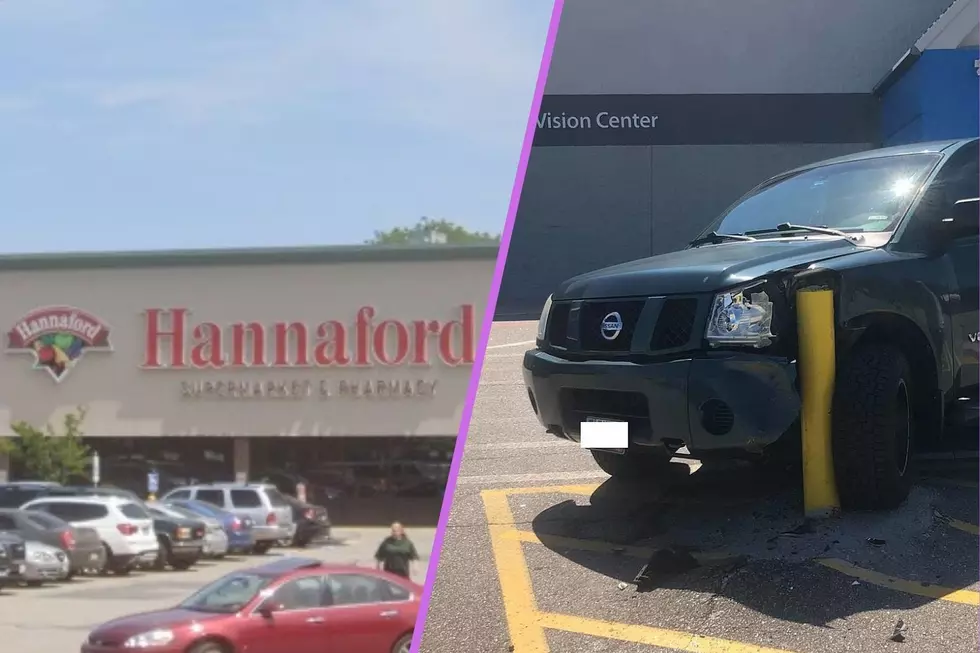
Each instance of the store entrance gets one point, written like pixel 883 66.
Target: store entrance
pixel 362 481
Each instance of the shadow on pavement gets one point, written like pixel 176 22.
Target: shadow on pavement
pixel 736 533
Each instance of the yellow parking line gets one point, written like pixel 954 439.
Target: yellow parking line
pixel 966 527
pixel 526 635
pixel 585 489
pixel 967 597
pixel 575 544
pixel 668 639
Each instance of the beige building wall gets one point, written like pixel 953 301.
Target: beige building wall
pixel 128 393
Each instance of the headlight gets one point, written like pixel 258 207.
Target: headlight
pixel 543 320
pixel 150 639
pixel 41 556
pixel 740 317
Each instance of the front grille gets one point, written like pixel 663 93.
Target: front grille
pixel 675 324
pixel 632 407
pixel 591 321
pixel 558 325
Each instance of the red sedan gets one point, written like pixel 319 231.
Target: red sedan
pixel 294 604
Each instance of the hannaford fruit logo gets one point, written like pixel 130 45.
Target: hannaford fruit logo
pixel 58 337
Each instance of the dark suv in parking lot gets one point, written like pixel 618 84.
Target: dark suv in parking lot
pixel 698 349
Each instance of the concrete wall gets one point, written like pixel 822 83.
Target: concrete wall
pixel 126 399
pixel 741 91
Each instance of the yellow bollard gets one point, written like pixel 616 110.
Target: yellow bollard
pixel 817 364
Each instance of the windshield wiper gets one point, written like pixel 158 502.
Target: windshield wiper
pixel 788 226
pixel 715 237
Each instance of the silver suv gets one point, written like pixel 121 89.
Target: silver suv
pixel 262 502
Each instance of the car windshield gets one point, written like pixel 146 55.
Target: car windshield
pixel 227 595
pixel 869 195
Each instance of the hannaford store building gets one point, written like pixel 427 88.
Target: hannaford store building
pixel 338 372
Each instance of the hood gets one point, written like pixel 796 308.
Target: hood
pixel 118 631
pixel 704 269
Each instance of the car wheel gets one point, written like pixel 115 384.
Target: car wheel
pixel 634 465
pixel 182 565
pixel 121 569
pixel 69 576
pixel 208 647
pixel 34 583
pixel 262 548
pixel 873 429
pixel 403 645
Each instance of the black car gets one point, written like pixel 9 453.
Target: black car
pixel 181 539
pixel 698 348
pixel 312 522
pixel 13 559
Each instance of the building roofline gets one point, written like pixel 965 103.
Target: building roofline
pixel 952 26
pixel 248 256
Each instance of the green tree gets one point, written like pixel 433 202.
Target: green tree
pixel 428 230
pixel 48 454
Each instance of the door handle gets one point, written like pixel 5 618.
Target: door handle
pixel 389 613
pixel 315 620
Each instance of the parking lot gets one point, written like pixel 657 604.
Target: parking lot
pixel 56 618
pixel 542 551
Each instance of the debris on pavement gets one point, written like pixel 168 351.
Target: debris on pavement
pixel 897 634
pixel 664 563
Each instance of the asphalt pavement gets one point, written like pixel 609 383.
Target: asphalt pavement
pixel 56 618
pixel 542 551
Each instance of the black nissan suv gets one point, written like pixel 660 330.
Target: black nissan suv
pixel 697 348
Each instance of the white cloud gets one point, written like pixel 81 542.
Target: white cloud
pixel 435 64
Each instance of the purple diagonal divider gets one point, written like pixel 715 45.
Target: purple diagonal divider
pixel 464 422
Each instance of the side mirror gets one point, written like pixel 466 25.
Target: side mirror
pixel 962 219
pixel 267 609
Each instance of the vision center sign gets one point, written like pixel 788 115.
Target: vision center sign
pixel 729 119
pixel 384 357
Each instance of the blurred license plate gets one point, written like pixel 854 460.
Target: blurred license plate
pixel 606 419
pixel 93 556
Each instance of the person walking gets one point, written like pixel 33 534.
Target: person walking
pixel 397 553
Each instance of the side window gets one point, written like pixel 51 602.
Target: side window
pixel 300 594
pixel 7 523
pixel 179 495
pixel 957 180
pixel 963 181
pixel 214 497
pixel 89 511
pixel 356 589
pixel 133 511
pixel 397 592
pixel 245 499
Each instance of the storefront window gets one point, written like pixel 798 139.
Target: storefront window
pixel 356 468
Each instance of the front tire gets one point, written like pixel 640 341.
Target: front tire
pixel 873 429
pixel 208 647
pixel 403 645
pixel 262 548
pixel 634 464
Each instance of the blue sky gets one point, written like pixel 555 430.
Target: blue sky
pixel 158 124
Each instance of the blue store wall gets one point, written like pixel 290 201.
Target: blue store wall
pixel 937 98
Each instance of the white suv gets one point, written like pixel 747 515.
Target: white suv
pixel 125 527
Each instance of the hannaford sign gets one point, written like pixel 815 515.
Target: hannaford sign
pixel 173 341
pixel 58 337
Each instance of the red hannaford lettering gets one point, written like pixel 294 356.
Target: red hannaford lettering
pixel 173 341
